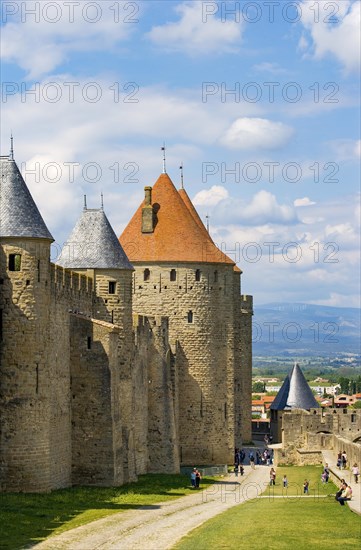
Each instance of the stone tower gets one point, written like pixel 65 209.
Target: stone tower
pixel 27 441
pixel 93 250
pixel 295 393
pixel 181 274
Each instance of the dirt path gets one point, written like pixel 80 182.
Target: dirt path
pixel 160 526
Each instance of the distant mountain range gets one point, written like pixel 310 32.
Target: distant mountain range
pixel 294 329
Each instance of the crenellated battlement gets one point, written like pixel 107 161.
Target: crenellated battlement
pixel 247 303
pixel 70 280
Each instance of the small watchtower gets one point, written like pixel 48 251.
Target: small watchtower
pixel 25 370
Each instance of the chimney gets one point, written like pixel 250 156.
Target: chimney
pixel 147 212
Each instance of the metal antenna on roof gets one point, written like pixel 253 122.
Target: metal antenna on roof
pixel 164 168
pixel 181 171
pixel 207 218
pixel 11 156
pixel 101 201
pixel 85 206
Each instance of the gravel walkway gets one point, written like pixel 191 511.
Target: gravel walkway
pixel 162 525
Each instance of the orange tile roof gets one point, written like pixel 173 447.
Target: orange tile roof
pixel 178 235
pixel 187 201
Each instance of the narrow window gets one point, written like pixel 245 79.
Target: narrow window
pixel 225 411
pixel 198 274
pixel 146 274
pixel 38 271
pixel 1 325
pixel 173 275
pixel 190 316
pixel 89 342
pixel 37 378
pixel 112 287
pixel 216 276
pixel 14 262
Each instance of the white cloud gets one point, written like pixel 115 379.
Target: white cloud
pixel 326 256
pixel 195 33
pixel 110 134
pixel 357 148
pixel 339 36
pixel 256 133
pixel 262 209
pixel 346 149
pixel 305 201
pixel 210 197
pixel 38 45
pixel 272 68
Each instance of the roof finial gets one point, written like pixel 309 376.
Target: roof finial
pixel 101 201
pixel 11 156
pixel 207 218
pixel 164 168
pixel 181 171
pixel 85 206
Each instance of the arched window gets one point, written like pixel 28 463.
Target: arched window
pixel 146 274
pixel 173 275
pixel 198 274
pixel 190 316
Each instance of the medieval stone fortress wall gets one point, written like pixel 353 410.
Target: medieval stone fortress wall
pixel 307 433
pixel 123 358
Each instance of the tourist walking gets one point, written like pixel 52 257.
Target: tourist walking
pixel 272 477
pixel 193 478
pixel 251 459
pixel 355 472
pixel 326 471
pixel 343 460
pixel 306 485
pixel 339 460
pixel 198 479
pixel 285 481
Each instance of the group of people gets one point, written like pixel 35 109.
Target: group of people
pixel 255 457
pixel 325 474
pixel 341 460
pixel 344 493
pixel 195 478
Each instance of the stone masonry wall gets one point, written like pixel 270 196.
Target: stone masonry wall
pixel 202 350
pixel 96 419
pixel 245 372
pixel 25 371
pixel 306 433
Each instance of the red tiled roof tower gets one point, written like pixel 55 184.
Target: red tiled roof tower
pixel 178 233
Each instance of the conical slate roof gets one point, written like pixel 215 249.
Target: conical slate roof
pixel 93 245
pixel 19 215
pixel 295 393
pixel 178 235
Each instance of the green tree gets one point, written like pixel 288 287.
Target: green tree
pixel 258 387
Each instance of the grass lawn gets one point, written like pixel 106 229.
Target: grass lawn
pixel 283 520
pixel 26 519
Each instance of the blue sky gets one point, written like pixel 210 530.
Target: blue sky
pixel 113 80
